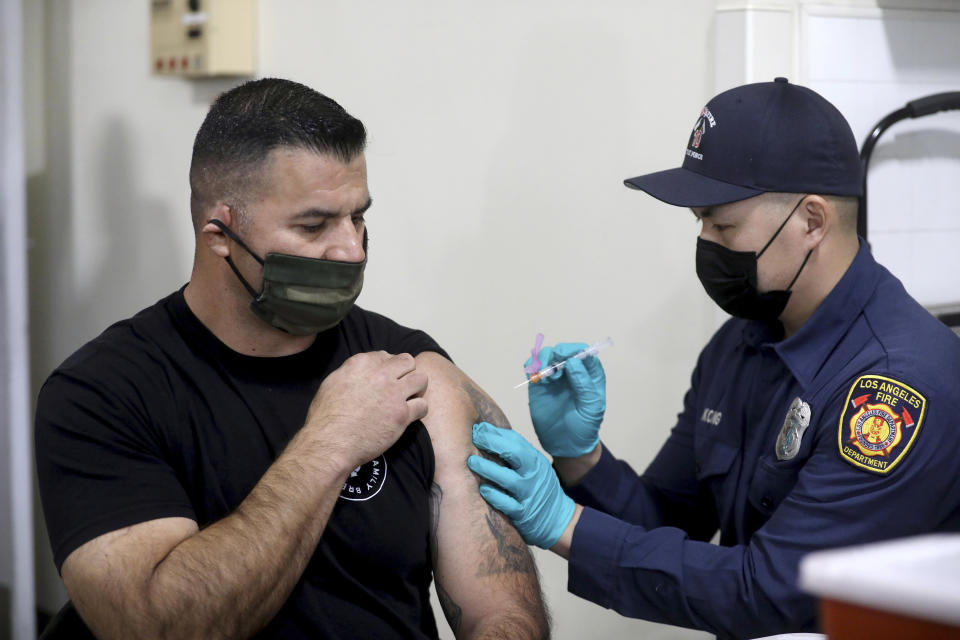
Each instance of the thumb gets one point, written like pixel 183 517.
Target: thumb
pixel 580 379
pixel 490 439
pixel 595 368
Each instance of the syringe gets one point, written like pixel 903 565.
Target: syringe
pixel 592 350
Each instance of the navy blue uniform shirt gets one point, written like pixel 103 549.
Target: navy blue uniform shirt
pixel 877 380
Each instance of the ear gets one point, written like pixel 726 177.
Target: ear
pixel 212 235
pixel 818 216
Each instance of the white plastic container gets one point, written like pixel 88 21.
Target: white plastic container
pixel 902 589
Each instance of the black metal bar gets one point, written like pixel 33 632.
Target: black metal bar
pixel 924 106
pixel 865 151
pixel 934 103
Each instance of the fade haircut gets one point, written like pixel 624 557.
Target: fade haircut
pixel 846 207
pixel 246 123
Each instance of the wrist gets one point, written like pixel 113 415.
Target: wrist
pixel 324 456
pixel 563 544
pixel 565 511
pixel 573 446
pixel 572 470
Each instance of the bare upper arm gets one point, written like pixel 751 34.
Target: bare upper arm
pixel 455 403
pixel 484 571
pixel 109 576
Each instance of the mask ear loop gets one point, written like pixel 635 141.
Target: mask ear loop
pixel 809 253
pixel 235 238
pixel 230 234
pixel 779 229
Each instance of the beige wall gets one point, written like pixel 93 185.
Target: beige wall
pixel 500 132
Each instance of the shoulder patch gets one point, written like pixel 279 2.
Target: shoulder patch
pixel 879 422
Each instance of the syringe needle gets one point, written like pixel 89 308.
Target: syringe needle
pixel 592 350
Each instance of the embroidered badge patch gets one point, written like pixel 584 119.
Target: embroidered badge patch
pixel 879 423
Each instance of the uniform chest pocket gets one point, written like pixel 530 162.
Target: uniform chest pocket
pixel 713 453
pixel 772 481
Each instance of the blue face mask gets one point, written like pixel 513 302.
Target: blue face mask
pixel 300 295
pixel 730 279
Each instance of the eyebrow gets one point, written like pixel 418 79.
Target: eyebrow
pixel 703 214
pixel 322 213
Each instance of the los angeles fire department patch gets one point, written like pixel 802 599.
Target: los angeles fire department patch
pixel 879 423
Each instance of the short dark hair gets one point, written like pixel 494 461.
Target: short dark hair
pixel 249 121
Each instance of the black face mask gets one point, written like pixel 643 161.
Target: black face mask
pixel 730 279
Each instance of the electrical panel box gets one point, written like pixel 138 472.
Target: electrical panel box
pixel 202 38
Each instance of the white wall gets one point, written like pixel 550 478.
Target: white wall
pixel 867 62
pixel 500 132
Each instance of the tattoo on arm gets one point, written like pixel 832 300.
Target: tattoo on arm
pixel 436 497
pixel 451 610
pixel 487 411
pixel 510 557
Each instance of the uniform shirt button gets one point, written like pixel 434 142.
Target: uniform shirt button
pixel 766 502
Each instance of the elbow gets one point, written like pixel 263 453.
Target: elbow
pixel 530 622
pixel 142 624
pixel 512 627
pixel 163 617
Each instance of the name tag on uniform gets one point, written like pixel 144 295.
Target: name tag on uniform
pixel 794 424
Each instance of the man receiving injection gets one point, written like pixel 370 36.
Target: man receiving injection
pixel 822 414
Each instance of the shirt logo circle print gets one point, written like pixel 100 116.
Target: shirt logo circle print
pixel 365 481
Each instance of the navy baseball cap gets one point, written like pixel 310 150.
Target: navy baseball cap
pixel 756 138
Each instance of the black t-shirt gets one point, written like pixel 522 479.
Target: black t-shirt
pixel 157 418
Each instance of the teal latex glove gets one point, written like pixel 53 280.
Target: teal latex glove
pixel 528 491
pixel 567 407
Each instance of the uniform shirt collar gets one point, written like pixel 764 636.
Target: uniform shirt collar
pixel 806 351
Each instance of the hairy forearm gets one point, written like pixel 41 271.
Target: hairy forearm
pixel 229 579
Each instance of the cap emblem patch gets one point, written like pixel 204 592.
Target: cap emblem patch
pixel 696 137
pixel 880 421
pixel 698 133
